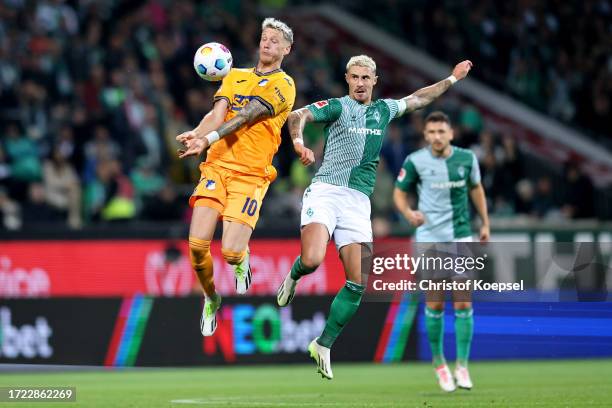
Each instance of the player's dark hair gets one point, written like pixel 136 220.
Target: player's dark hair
pixel 437 116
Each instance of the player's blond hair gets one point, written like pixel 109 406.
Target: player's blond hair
pixel 361 61
pixel 280 26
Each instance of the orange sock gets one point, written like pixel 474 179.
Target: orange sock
pixel 202 262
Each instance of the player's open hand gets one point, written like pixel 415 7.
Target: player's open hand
pixel 193 147
pixel 416 218
pixel 461 69
pixel 185 136
pixel 305 154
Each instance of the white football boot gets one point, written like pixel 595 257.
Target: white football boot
pixel 208 321
pixel 445 379
pixel 320 355
pixel 286 291
pixel 462 376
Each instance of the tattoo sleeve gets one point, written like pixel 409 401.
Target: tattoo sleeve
pixel 297 120
pixel 252 112
pixel 425 96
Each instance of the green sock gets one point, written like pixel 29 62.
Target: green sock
pixel 464 329
pixel 342 309
pixel 298 269
pixel 434 321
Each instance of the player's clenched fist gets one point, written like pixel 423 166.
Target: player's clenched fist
pixel 461 69
pixel 305 154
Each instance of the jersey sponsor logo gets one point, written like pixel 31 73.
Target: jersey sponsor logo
pixel 402 175
pixel 448 184
pixel 321 104
pixel 279 94
pixel 366 131
pixel 240 101
pixel 263 82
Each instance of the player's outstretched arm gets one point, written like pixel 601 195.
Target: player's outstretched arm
pixel 427 95
pixel 296 122
pixel 252 112
pixel 477 194
pixel 400 198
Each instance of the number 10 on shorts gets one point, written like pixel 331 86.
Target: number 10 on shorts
pixel 250 206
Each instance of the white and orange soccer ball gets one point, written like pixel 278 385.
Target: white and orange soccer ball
pixel 212 61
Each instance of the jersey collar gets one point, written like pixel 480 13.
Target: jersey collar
pixel 442 158
pixel 266 73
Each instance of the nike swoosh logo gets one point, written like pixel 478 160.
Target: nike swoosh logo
pixel 241 81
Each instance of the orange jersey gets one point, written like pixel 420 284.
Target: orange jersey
pixel 250 149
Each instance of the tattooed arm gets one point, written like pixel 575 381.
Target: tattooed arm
pixel 211 121
pixel 427 95
pixel 296 122
pixel 195 144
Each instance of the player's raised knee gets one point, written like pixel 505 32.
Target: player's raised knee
pixel 312 260
pixel 233 257
pixel 198 249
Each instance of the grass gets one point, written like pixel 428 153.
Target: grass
pixel 574 383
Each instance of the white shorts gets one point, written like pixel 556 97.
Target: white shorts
pixel 344 211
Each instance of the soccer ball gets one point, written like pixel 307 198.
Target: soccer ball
pixel 212 61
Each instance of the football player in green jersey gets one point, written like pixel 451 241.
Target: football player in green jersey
pixel 337 202
pixel 444 176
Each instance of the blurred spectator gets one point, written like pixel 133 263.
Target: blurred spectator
pixel 394 149
pixel 37 210
pixel 525 196
pixel 487 144
pixel 579 194
pixel 490 178
pixel 9 209
pixel 165 205
pixel 382 204
pixel 98 150
pixel 147 183
pixel 110 195
pixel 62 187
pixel 544 203
pixel 511 168
pixel 470 122
pixel 22 155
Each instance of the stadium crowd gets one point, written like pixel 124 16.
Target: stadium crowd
pixel 92 97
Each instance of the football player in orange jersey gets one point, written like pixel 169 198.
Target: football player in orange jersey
pixel 242 134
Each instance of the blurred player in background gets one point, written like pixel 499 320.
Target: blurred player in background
pixel 444 175
pixel 337 202
pixel 242 134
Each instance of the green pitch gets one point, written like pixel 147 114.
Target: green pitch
pixel 500 384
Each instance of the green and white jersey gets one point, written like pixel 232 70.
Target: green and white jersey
pixel 442 185
pixel 353 137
